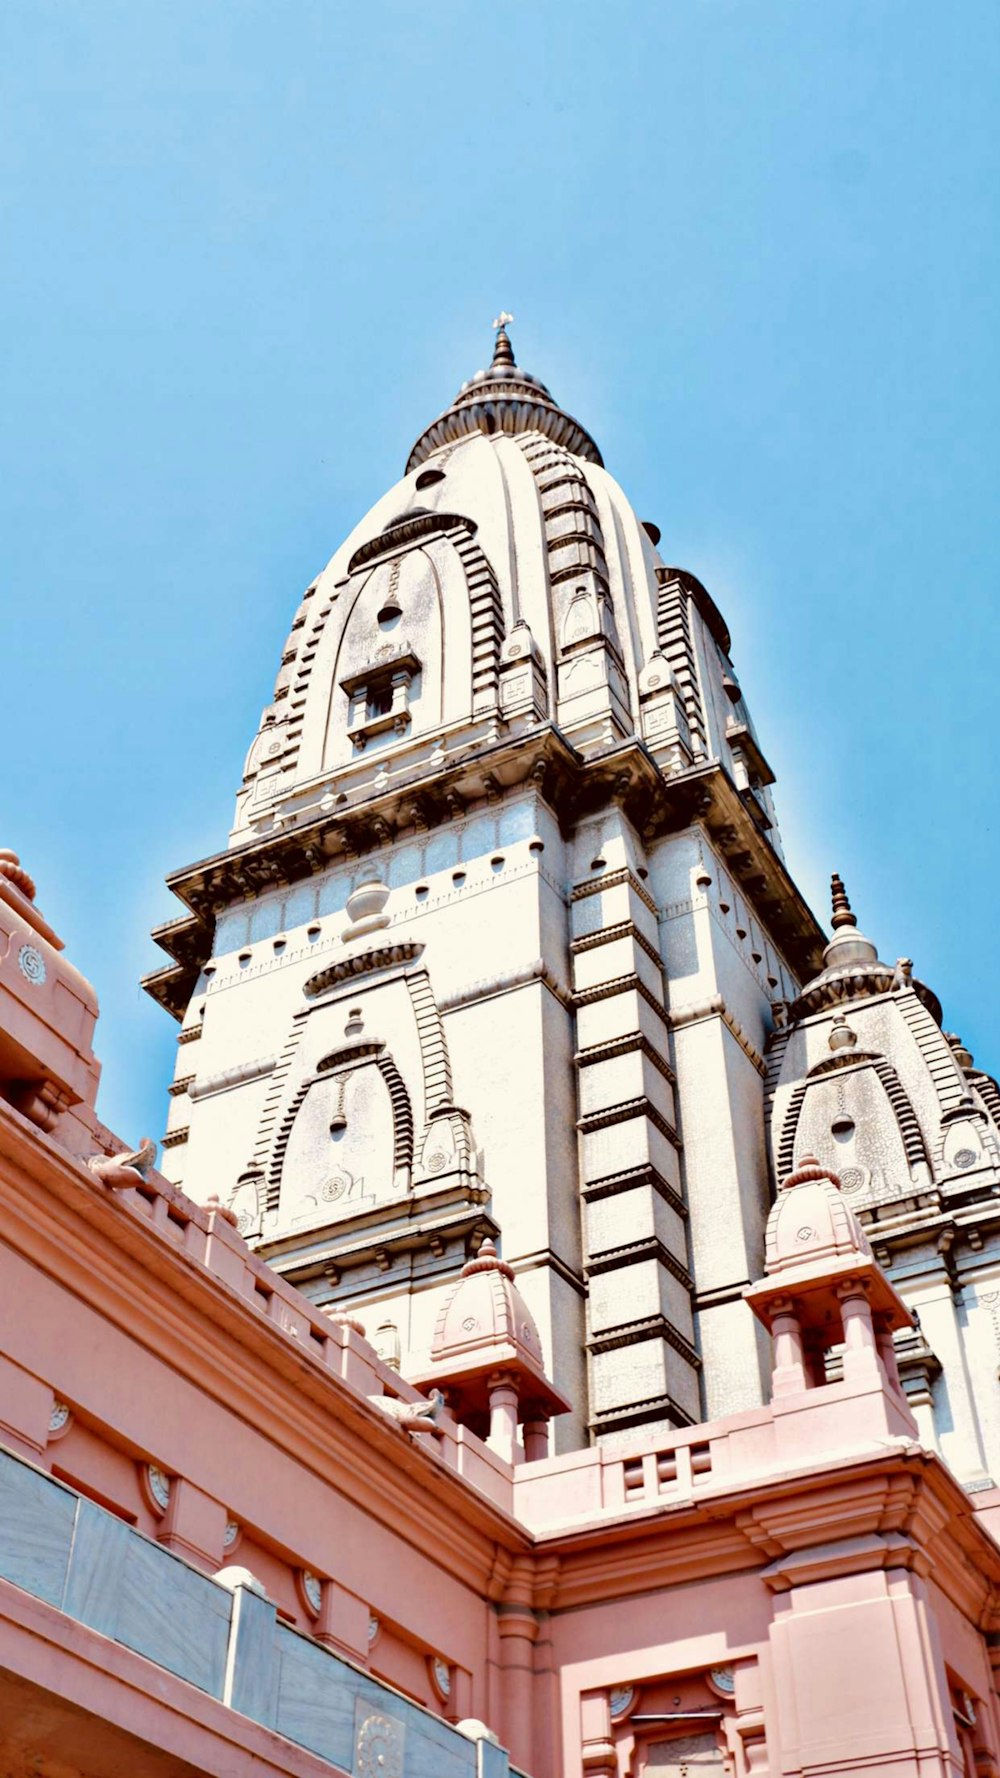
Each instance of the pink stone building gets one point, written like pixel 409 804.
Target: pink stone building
pixel 561 1336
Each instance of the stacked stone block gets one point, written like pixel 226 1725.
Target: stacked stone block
pixel 644 1367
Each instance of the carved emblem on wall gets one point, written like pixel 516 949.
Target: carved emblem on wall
pixel 31 963
pixel 158 1483
pixel 338 1185
pixel 378 1751
pixel 620 1701
pixel 441 1678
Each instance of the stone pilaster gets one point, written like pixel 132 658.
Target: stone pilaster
pixel 644 1368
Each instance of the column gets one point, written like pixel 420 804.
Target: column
pixel 789 1374
pixel 503 1415
pixel 861 1363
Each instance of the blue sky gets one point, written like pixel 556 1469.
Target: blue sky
pixel 250 250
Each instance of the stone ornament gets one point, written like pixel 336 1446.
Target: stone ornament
pixel 440 1677
pixel 723 1679
pixel 15 874
pixel 234 1576
pixel 31 963
pixel 620 1701
pixel 158 1483
pixel 412 1416
pixel 378 1751
pixel 120 1172
pixel 312 1591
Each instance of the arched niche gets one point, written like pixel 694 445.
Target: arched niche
pixel 346 1142
pixel 858 1122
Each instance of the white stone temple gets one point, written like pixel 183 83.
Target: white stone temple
pixel 503 946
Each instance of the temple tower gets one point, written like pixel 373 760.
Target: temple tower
pixel 492 950
pixel 862 1075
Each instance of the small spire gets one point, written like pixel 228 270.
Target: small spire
pixel 487 1260
pixel 10 867
pixel 503 351
pixel 842 915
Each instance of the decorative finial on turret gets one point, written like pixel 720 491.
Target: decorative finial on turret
pixel 842 914
pixel 487 1260
pixel 10 867
pixel 503 351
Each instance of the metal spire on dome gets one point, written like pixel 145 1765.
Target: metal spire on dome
pixel 503 351
pixel 503 401
pixel 842 912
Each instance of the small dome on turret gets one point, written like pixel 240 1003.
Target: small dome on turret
pixel 486 1309
pixel 810 1220
pixel 484 1328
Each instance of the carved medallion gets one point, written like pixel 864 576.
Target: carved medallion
pixel 159 1485
pixel 335 1187
pixel 312 1587
pixel 31 963
pixel 441 1675
pixel 379 1748
pixel 723 1679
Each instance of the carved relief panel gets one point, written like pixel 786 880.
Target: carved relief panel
pixel 359 1110
pixel 858 1121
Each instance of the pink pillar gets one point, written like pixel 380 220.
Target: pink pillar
pixel 861 1363
pixel 503 1415
pixel 194 1525
pixel 789 1374
pixel 536 1439
pixel 597 1742
pixel 518 1628
pixel 887 1352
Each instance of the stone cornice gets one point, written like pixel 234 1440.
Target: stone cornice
pixel 358 963
pixel 572 786
pixel 890 1508
pixel 406 531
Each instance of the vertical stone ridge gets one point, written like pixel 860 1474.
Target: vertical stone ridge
pixel 433 1043
pixel 948 1083
pixel 673 635
pixel 272 1101
pixel 486 611
pixel 640 1313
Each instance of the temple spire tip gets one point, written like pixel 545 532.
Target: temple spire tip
pixel 503 351
pixel 842 912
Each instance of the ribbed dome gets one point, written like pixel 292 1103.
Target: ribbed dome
pixel 503 399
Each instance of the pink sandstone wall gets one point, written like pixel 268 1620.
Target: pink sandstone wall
pixel 800 1588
